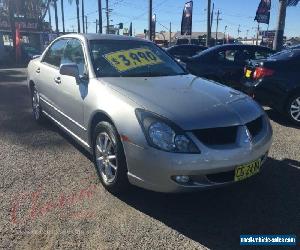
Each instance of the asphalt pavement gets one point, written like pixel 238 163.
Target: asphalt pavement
pixel 51 197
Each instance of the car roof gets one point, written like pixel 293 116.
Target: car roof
pixel 95 36
pixel 241 46
pixel 187 45
pixel 218 48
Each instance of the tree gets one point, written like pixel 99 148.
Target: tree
pixel 63 15
pixel 78 17
pixel 56 17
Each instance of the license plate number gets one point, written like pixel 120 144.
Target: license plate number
pixel 247 170
pixel 248 73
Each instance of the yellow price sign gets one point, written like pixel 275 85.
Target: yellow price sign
pixel 125 60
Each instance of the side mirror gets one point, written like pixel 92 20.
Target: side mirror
pixel 69 69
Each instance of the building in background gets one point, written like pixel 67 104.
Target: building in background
pixel 25 20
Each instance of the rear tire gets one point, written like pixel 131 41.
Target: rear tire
pixel 293 109
pixel 109 158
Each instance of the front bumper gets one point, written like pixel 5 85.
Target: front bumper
pixel 153 169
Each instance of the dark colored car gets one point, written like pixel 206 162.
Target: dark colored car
pixel 182 52
pixel 275 82
pixel 28 52
pixel 225 63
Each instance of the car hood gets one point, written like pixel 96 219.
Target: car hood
pixel 189 101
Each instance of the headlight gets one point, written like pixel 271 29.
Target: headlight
pixel 164 135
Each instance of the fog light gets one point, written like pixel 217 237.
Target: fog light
pixel 183 179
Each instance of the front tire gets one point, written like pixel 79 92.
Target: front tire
pixel 36 107
pixel 293 109
pixel 109 158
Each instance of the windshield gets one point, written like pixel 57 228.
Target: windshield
pixel 119 58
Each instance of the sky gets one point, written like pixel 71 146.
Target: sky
pixel 233 14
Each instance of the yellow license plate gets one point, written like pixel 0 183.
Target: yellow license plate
pixel 248 73
pixel 247 170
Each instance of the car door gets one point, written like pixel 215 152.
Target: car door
pixel 71 93
pixel 226 66
pixel 233 64
pixel 48 78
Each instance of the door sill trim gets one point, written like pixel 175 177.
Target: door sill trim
pixel 68 131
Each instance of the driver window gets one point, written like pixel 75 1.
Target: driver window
pixel 73 53
pixel 54 54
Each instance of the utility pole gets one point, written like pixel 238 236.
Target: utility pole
pixel 239 31
pixel 82 15
pixel 107 18
pixel 278 41
pixel 218 19
pixel 224 34
pixel 56 17
pixel 208 34
pixel 100 15
pixel 257 35
pixel 49 14
pixel 247 34
pixel 150 20
pixel 96 25
pixel 86 25
pixel 212 16
pixel 78 19
pixel 170 37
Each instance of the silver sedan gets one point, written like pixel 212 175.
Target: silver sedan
pixel 145 120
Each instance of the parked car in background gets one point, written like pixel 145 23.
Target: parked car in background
pixel 297 46
pixel 276 82
pixel 184 51
pixel 8 56
pixel 28 52
pixel 146 120
pixel 225 63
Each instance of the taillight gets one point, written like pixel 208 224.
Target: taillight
pixel 261 72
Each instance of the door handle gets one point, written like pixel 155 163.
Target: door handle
pixel 38 70
pixel 57 80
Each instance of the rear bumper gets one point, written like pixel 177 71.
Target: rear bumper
pixel 264 92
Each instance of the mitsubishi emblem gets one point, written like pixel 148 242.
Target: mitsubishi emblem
pixel 249 136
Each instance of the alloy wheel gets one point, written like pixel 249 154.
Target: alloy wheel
pixel 295 109
pixel 35 105
pixel 106 158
